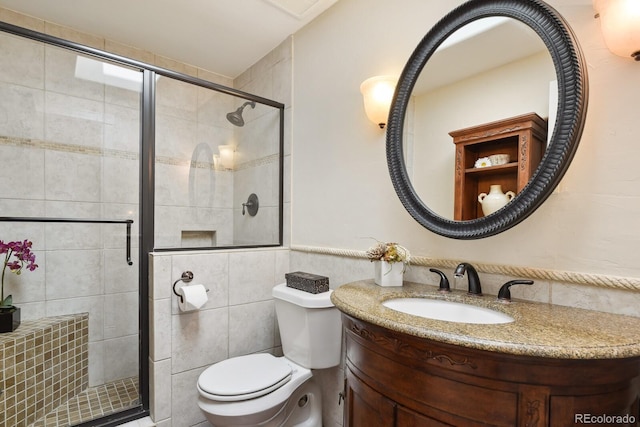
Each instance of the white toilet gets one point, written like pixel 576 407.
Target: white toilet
pixel 264 390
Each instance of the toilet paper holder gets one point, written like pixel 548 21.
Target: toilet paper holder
pixel 187 276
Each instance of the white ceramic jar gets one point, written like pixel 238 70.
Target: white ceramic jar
pixel 495 200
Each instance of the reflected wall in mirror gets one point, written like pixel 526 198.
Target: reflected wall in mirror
pixel 488 70
pixel 213 150
pixel 485 61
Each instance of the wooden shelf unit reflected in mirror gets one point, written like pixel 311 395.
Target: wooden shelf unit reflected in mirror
pixel 522 137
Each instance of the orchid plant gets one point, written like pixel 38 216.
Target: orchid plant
pixel 23 258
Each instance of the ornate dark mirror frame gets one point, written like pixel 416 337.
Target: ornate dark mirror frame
pixel 572 107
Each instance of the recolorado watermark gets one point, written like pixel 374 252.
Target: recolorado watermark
pixel 604 419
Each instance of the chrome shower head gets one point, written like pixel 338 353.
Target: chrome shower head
pixel 235 117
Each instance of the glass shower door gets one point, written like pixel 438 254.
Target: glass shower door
pixel 219 166
pixel 69 168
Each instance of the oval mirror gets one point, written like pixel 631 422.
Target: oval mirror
pixel 473 80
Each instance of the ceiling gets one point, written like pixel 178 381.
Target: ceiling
pixel 480 46
pixel 223 36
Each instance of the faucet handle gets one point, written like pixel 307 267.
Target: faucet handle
pixel 444 282
pixel 504 294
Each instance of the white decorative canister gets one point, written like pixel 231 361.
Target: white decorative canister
pixel 388 273
pixel 495 200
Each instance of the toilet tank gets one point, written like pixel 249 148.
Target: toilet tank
pixel 310 328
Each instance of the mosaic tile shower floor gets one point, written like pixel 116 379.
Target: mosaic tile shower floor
pixel 94 402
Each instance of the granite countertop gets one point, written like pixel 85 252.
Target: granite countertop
pixel 542 330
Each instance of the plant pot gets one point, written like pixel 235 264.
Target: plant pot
pixel 9 318
pixel 388 273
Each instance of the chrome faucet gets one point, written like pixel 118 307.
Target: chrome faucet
pixel 472 275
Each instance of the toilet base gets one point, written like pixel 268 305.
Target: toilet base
pixel 307 406
pixel 302 409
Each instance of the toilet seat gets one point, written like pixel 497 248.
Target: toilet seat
pixel 244 377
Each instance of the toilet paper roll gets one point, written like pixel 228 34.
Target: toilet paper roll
pixel 193 297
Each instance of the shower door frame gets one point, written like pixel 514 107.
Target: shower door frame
pixel 147 190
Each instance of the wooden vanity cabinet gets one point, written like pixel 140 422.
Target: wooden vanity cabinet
pixel 394 379
pixel 522 137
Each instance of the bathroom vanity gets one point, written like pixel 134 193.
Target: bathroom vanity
pixel 552 366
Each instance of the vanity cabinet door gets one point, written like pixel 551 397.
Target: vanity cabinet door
pixel 365 407
pixel 395 379
pixel 409 418
pixel 620 406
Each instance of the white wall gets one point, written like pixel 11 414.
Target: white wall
pixel 342 193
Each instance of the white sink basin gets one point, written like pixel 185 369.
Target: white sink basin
pixel 447 310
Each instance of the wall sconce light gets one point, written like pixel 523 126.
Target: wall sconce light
pixel 226 156
pixel 378 93
pixel 620 26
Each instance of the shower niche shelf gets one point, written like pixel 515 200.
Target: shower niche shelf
pixel 197 238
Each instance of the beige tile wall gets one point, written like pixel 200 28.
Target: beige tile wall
pixel 238 319
pixel 75 146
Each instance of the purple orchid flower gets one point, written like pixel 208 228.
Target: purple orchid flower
pixel 21 251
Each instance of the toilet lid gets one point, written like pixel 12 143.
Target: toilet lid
pixel 245 377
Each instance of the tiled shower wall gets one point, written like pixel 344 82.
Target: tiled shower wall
pixel 69 148
pixel 55 288
pixel 199 203
pixel 239 317
pixel 240 305
pixel 193 199
pixel 257 170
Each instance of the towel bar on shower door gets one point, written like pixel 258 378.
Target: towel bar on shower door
pixel 128 222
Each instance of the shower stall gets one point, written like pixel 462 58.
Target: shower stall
pixel 103 160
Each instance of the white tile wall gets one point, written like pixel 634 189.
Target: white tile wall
pixel 184 410
pixel 251 328
pixel 121 314
pixel 69 148
pixel 199 338
pixel 238 319
pixel 20 71
pixel 121 357
pixel 74 120
pixel 251 276
pixel 143 422
pixel 190 125
pixel 17 184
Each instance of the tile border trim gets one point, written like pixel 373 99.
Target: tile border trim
pixel 597 280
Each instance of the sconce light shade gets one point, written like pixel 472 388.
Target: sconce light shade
pixel 620 26
pixel 226 156
pixel 378 93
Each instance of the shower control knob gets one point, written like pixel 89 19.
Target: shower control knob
pixel 251 205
